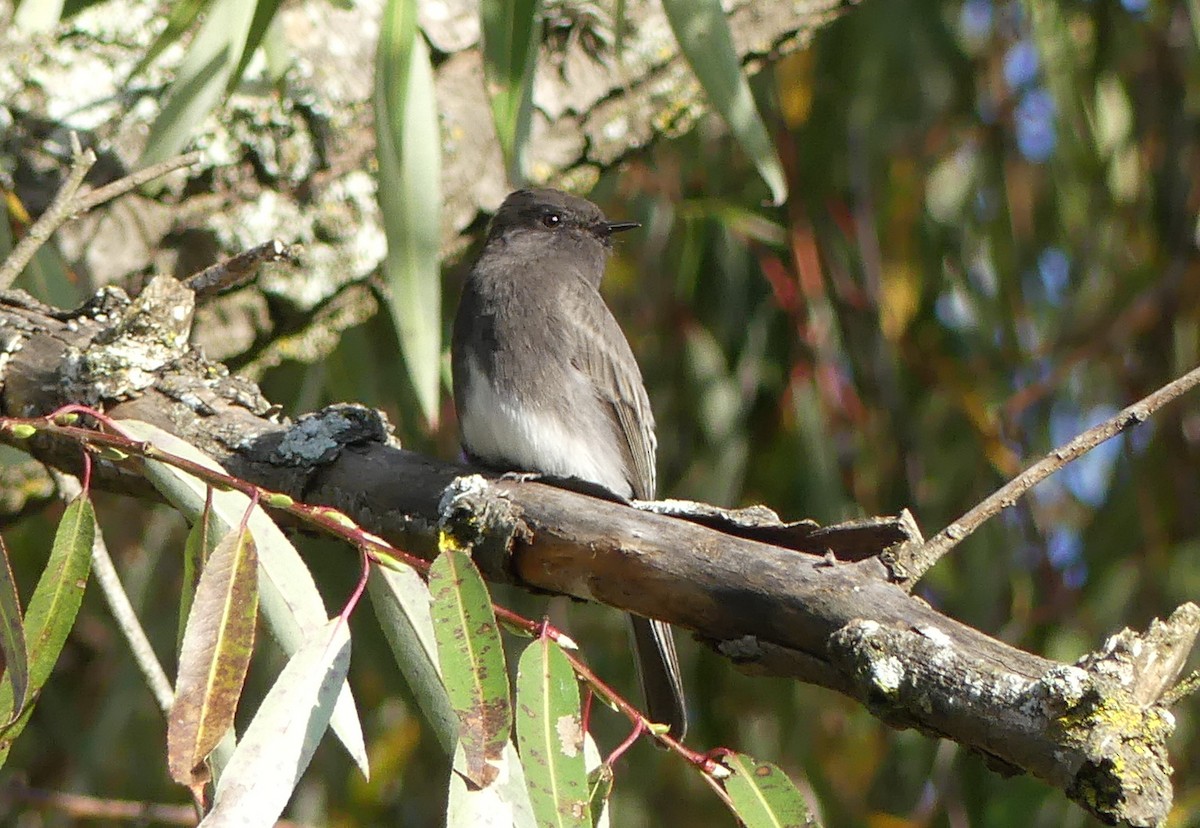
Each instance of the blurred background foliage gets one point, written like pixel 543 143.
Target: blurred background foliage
pixel 989 245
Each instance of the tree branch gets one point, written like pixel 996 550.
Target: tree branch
pixel 909 564
pixel 1095 729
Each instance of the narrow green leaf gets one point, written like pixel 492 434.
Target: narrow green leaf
pixel 472 660
pixel 550 736
pixel 510 45
pixel 217 646
pixel 408 144
pixel 703 34
pixel 402 604
pixel 763 796
pixel 264 14
pixel 12 637
pixel 278 744
pixel 202 539
pixel 182 16
pixel 202 79
pixel 52 611
pixel 288 597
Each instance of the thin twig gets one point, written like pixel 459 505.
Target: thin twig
pixel 910 566
pixel 238 270
pixel 80 806
pixel 122 610
pixel 56 214
pixel 94 198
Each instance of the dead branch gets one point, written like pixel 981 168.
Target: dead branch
pixel 1096 728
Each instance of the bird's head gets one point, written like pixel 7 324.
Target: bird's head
pixel 555 219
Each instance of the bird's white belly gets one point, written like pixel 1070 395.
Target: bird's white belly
pixel 501 432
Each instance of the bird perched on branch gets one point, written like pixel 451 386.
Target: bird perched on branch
pixel 545 381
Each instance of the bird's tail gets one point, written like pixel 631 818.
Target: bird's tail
pixel 658 670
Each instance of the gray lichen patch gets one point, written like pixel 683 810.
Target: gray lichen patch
pixel 319 438
pixel 139 340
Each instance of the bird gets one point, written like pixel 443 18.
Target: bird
pixel 545 381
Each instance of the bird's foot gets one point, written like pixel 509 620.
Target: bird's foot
pixel 523 477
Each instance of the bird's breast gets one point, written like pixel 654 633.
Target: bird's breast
pixel 557 428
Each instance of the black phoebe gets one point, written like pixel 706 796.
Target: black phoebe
pixel 545 382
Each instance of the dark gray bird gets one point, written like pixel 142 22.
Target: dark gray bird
pixel 545 381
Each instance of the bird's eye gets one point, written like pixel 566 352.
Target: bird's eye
pixel 551 219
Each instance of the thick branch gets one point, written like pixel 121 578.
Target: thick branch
pixel 1096 729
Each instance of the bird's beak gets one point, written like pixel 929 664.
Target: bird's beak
pixel 611 227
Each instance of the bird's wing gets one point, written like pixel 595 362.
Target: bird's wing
pixel 602 353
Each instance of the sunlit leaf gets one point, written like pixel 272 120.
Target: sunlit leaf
pixel 410 196
pixel 703 34
pixel 52 610
pixel 215 656
pixel 510 44
pixel 502 804
pixel 264 14
pixel 472 661
pixel 550 736
pixel 202 79
pixel 278 744
pixel 763 796
pixel 402 604
pixel 12 636
pixel 288 597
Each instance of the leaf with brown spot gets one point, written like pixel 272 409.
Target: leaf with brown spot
pixel 763 796
pixel 550 736
pixel 472 660
pixel 217 645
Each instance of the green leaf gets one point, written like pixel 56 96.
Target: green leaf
pixel 402 604
pixel 52 611
pixel 472 660
pixel 217 646
pixel 410 196
pixel 288 597
pixel 183 14
pixel 510 45
pixel 763 796
pixel 703 34
pixel 280 740
pixel 202 79
pixel 264 14
pixel 12 637
pixel 550 736
pixel 202 539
